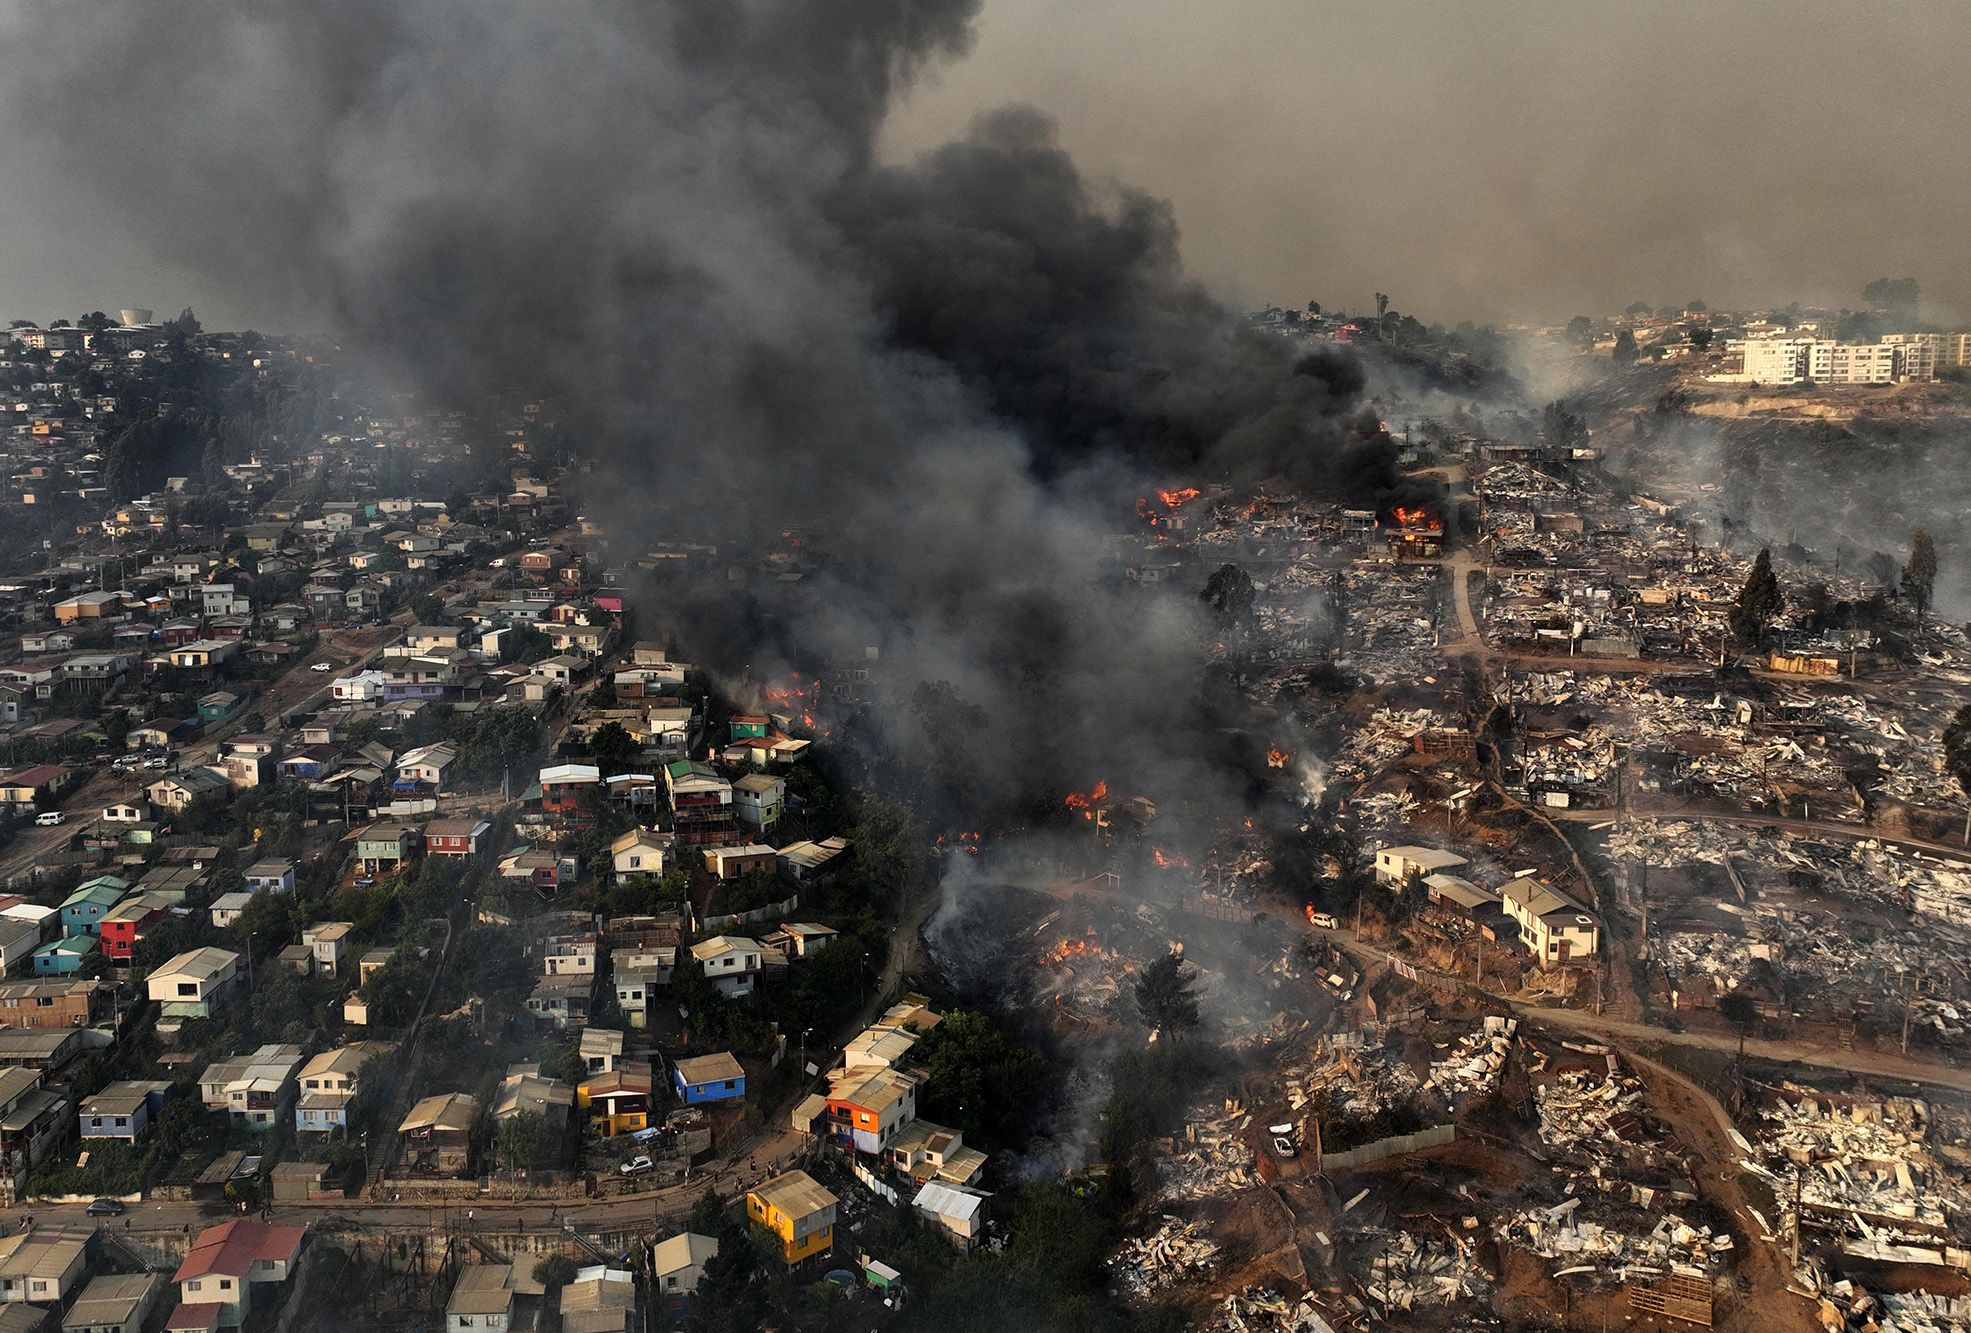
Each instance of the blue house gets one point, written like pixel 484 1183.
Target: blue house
pixel 125 1110
pixel 63 958
pixel 84 910
pixel 708 1078
pixel 218 706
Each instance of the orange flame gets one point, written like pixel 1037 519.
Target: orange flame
pixel 1177 499
pixel 1416 518
pixel 1085 947
pixel 1096 795
pixel 1278 758
pixel 1169 860
pixel 1309 911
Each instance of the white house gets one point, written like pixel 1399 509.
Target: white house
pixel 1395 865
pixel 732 962
pixel 679 1262
pixel 641 851
pixel 231 1259
pixel 1553 927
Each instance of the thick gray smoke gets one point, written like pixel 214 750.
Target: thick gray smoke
pixel 668 218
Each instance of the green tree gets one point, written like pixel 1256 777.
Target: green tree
pixel 1758 602
pixel 708 1215
pixel 1625 349
pixel 613 747
pixel 526 1142
pixel 980 1081
pixel 554 1272
pixel 1166 995
pixel 1919 581
pixel 1700 336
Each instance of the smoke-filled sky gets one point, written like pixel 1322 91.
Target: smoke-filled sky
pixel 1502 161
pixel 1520 160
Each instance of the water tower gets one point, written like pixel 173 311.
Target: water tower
pixel 135 318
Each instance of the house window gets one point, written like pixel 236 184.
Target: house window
pixel 188 988
pixel 730 1083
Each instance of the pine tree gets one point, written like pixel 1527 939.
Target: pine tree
pixel 1758 602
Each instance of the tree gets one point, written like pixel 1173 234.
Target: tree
pixel 430 609
pixel 1579 328
pixel 185 326
pixel 1759 601
pixel 1696 308
pixel 554 1272
pixel 1897 297
pixel 1625 349
pixel 1739 1009
pixel 613 747
pixel 1230 594
pixel 708 1216
pixel 1166 995
pixel 979 1080
pixel 1700 336
pixel 1919 582
pixel 1639 308
pixel 1563 428
pixel 526 1142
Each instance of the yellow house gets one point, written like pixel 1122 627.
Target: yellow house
pixel 618 1100
pixel 797 1208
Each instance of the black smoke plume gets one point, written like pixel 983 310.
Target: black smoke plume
pixel 669 219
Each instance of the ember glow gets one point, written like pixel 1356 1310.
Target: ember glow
pixel 1169 860
pixel 1069 950
pixel 1278 758
pixel 1178 499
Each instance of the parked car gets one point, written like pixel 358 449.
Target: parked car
pixel 157 761
pixel 322 666
pixel 1284 1144
pixel 1325 920
pixel 105 1208
pixel 636 1166
pixel 50 818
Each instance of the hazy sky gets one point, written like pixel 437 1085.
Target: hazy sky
pixel 1511 160
pixel 1488 161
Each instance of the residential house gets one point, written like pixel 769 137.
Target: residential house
pixel 65 957
pixel 677 1264
pixel 455 837
pixel 126 923
pixel 799 1210
pixel 562 786
pixel 179 790
pixel 229 907
pixel 562 1001
pixel 425 767
pixel 253 1090
pixel 125 1110
pixel 526 1091
pixel 275 875
pixel 733 862
pixel 55 1004
pixel 924 1151
pixel 708 1078
pixel 329 944
pixel 482 1300
pixel 701 804
pixel 599 1300
pixel 568 955
pixel 758 800
pixel 328 1082
pixel 83 910
pixel 217 707
pixel 437 1134
pixel 641 851
pixel 956 1212
pixel 19 938
pixel 1553 926
pixel 40 1267
pixel 637 981
pixel 731 961
pixel 202 655
pixel 867 1107
pixel 1396 865
pixel 126 812
pixel 801 939
pixel 39 785
pixel 618 1102
pixel 808 862
pixel 114 1303
pixel 382 849
pixel 33 1120
pixel 195 983
pixel 228 1261
pixel 600 1049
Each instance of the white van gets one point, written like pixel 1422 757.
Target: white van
pixel 50 819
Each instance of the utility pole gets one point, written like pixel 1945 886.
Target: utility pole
pixel 1906 975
